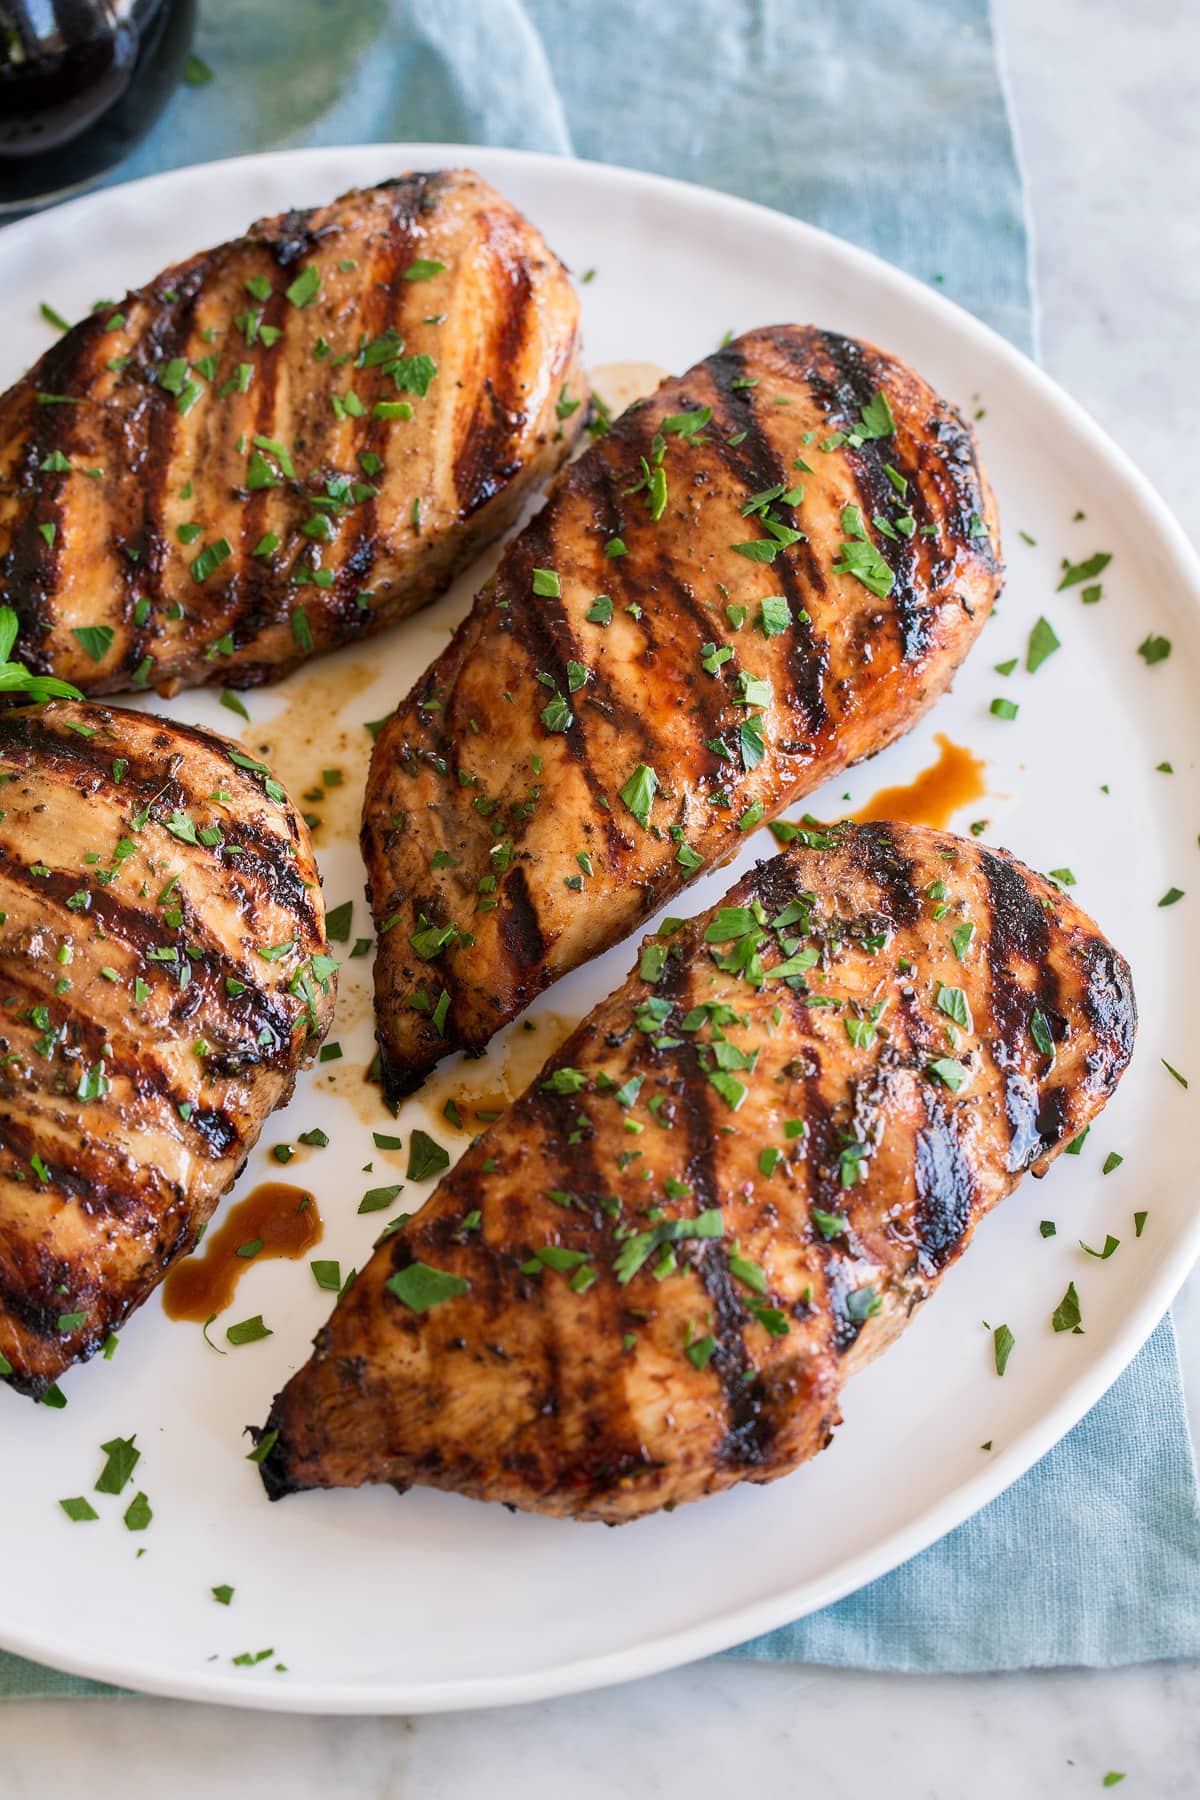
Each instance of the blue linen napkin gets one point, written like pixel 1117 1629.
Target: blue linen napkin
pixel 886 125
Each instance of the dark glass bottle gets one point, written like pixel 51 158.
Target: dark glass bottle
pixel 81 81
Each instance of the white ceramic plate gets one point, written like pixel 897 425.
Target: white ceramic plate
pixel 380 1604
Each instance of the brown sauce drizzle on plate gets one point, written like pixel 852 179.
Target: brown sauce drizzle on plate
pixel 936 794
pixel 281 1220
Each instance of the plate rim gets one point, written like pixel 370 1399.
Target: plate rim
pixel 734 1625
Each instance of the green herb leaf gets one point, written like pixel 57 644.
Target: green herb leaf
pixel 426 1157
pixel 1042 643
pixel 862 560
pixel 1087 570
pixel 1003 1342
pixel 122 1459
pixel 377 1198
pixel 422 1288
pixel 875 419
pixel 248 1331
pixel 638 793
pixel 1039 1031
pixel 961 939
pixel 303 291
pixel 79 1510
pixel 1066 1314
pixel 953 1002
pixel 413 374
pixel 949 1072
pixel 138 1513
pixel 95 639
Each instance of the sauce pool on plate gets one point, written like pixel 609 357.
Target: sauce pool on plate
pixel 933 796
pixel 274 1220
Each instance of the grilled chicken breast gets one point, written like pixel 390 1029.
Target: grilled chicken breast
pixel 727 1192
pixel 759 576
pixel 288 442
pixel 163 975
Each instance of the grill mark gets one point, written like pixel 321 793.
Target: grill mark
pixel 1108 1002
pixel 27 739
pixel 945 1186
pixel 616 1431
pixel 598 481
pixel 92 1180
pixel 261 578
pixel 134 928
pixel 36 1318
pixel 875 850
pixel 483 462
pixel 30 568
pixel 854 381
pixel 519 931
pixel 414 195
pixel 756 465
pixel 1018 934
pixel 541 626
pixel 167 336
pixel 749 1427
pixel 251 1012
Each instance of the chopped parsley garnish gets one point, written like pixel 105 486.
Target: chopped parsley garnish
pixel 79 1510
pixel 426 1157
pixel 303 291
pixel 421 1287
pixel 861 559
pixel 95 639
pixel 15 678
pixel 376 1199
pixel 638 793
pixel 138 1514
pixel 248 1331
pixel 1154 650
pixel 1042 643
pixel 1039 1031
pixel 210 558
pixel 1067 1315
pixel 1074 573
pixel 951 1073
pixel 122 1457
pixel 1003 1341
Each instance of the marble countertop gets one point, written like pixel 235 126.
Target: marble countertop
pixel 1111 139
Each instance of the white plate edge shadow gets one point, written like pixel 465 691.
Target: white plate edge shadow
pixel 730 1627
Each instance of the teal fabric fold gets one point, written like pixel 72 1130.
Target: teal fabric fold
pixel 888 126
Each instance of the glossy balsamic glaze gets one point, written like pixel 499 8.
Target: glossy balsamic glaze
pixel 281 1219
pixel 933 796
